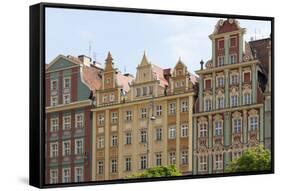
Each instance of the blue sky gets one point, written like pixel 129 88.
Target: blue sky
pixel 165 38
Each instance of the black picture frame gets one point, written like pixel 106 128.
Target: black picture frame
pixel 37 91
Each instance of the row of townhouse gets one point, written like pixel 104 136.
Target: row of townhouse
pixel 104 125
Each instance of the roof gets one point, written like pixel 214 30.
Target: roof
pixel 193 78
pixel 158 74
pixel 92 78
pixel 262 53
pixel 124 81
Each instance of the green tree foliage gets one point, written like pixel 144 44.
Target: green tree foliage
pixel 253 159
pixel 158 171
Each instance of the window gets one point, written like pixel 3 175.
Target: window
pixel 66 98
pixel 54 124
pixel 234 79
pixel 53 150
pixel 111 97
pixel 233 59
pixel 158 110
pixel 114 117
pixel 54 85
pixel 233 41
pixel 138 92
pixel 236 126
pixel 218 162
pixel 184 130
pixel 208 104
pixel 143 162
pixel 203 163
pixel 100 142
pixel 53 176
pixel 108 80
pixel 113 166
pixel 143 137
pixel 100 167
pixel 66 148
pixel 220 81
pixel 236 154
pixel 144 91
pixel 104 98
pixel 158 134
pixel 203 130
pixel 172 132
pixel 79 120
pixel 247 98
pixel 66 83
pixel 247 77
pixel 172 158
pixel 101 119
pixel 208 84
pixel 114 140
pixel 128 164
pixel 184 106
pixel 66 175
pixel 234 100
pixel 128 138
pixel 220 60
pixel 78 146
pixel 66 122
pixel 218 128
pixel 220 102
pixel 253 123
pixel 184 157
pixel 78 174
pixel 158 157
pixel 150 90
pixel 128 115
pixel 143 113
pixel 221 44
pixel 172 108
pixel 54 100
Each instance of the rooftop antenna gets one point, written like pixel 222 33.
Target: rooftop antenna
pixel 255 34
pixel 124 69
pixel 90 49
pixel 94 57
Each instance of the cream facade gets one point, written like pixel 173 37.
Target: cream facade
pixel 149 125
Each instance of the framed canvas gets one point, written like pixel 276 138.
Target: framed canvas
pixel 121 95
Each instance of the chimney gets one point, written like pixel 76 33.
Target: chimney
pixel 85 60
pixel 128 75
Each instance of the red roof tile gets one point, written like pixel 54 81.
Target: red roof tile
pixel 124 81
pixel 158 74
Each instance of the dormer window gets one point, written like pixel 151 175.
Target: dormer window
pixel 66 83
pixel 54 84
pixel 108 81
pixel 179 72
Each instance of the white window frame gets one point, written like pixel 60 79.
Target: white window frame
pixel 253 124
pixel 203 129
pixel 184 106
pixel 172 132
pixel 158 110
pixel 128 115
pixel 234 79
pixel 66 121
pixel 114 140
pixel 101 119
pixel 52 85
pixel 184 130
pixel 247 98
pixel 208 104
pixel 220 102
pixel 158 159
pixel 54 179
pixel 234 100
pixel 100 167
pixel 64 83
pixel 54 126
pixel 233 58
pixel 66 148
pixel 128 138
pixel 100 142
pixel 79 174
pixel 172 108
pixel 172 158
pixel 143 113
pixel 143 136
pixel 114 117
pixel 237 125
pixel 128 164
pixel 143 162
pixel 66 98
pixel 79 122
pixel 158 134
pixel 54 151
pixel 218 161
pixel 66 175
pixel 79 148
pixel 203 163
pixel 114 167
pixel 54 100
pixel 218 128
pixel 221 61
pixel 220 81
pixel 184 157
